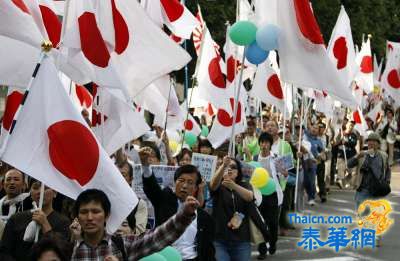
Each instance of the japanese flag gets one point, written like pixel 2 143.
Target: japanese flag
pixel 365 71
pixel 178 18
pixel 376 112
pixel 52 143
pixel 390 80
pixel 267 86
pixel 114 121
pixel 210 74
pixel 24 26
pixel 360 123
pixel 198 32
pixel 223 122
pixel 304 60
pixel 117 45
pixel 341 48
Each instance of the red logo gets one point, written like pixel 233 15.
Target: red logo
pixel 393 79
pixel 225 118
pixel 274 86
pixel 306 21
pixel 12 104
pixel 73 150
pixel 340 52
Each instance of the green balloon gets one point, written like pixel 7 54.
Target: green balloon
pixel 204 131
pixel 190 139
pixel 243 32
pixel 171 254
pixel 153 257
pixel 269 188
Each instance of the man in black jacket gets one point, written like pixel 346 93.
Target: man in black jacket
pixel 196 242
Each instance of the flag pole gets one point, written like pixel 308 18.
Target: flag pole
pixel 298 151
pixel 46 47
pixel 284 119
pixel 166 109
pixel 235 110
pixel 40 207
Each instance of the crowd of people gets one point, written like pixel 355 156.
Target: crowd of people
pixel 216 219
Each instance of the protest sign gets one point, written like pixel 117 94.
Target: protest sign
pixel 164 174
pixel 206 164
pixel 285 162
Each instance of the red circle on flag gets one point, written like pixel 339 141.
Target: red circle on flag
pixel 73 150
pixel 366 64
pixel 12 104
pixel 92 43
pixel 173 9
pixel 21 5
pixel 274 86
pixel 121 30
pixel 52 24
pixel 84 97
pixel 188 125
pixel 215 73
pixel 393 79
pixel 306 21
pixel 340 52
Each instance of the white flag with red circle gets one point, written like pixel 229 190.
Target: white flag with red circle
pixel 114 121
pixel 191 126
pixel 178 18
pixel 267 86
pixel 304 60
pixel 341 48
pixel 376 113
pixel 365 71
pixel 223 122
pixel 360 124
pixel 24 26
pixel 52 143
pixel 210 75
pixel 390 80
pixel 116 44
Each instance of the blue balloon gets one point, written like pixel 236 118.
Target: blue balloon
pixel 267 37
pixel 255 55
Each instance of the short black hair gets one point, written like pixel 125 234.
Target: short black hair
pixel 239 177
pixel 94 195
pixel 265 137
pixel 205 143
pixel 188 169
pixel 153 146
pixel 130 171
pixel 182 153
pixel 52 242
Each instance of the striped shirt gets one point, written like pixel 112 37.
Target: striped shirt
pixel 136 247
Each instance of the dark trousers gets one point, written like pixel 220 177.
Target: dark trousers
pixel 287 206
pixel 269 210
pixel 321 180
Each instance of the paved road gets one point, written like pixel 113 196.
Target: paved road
pixel 341 202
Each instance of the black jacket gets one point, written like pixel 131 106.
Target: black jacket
pixel 165 205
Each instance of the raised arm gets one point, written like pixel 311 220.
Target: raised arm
pixel 218 175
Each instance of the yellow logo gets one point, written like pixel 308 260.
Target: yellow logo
pixel 377 217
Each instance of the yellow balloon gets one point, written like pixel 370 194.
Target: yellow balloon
pixel 259 178
pixel 173 146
